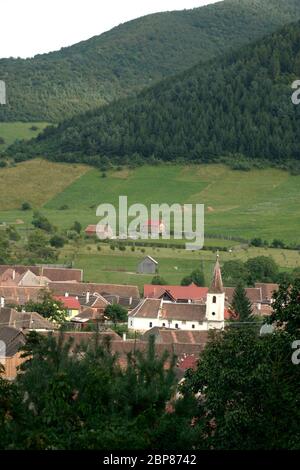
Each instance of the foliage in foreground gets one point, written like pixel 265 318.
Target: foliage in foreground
pixel 242 395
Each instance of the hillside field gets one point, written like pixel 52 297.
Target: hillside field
pixel 258 203
pixel 19 130
pixel 174 264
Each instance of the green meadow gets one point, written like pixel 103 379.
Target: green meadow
pixel 11 131
pixel 174 264
pixel 258 203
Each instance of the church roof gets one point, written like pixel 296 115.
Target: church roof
pixel 217 283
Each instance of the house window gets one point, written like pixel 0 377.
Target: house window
pixel 214 299
pixel 150 324
pixel 176 325
pixel 131 323
pixel 193 326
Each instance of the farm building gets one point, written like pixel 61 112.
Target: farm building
pixel 101 231
pixel 147 266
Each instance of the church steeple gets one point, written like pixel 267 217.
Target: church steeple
pixel 215 302
pixel 217 282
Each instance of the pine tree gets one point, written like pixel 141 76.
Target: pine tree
pixel 241 304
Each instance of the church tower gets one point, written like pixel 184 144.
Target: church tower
pixel 215 303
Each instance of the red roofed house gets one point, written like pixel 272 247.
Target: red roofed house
pixel 189 294
pixel 71 304
pixel 102 231
pixel 197 315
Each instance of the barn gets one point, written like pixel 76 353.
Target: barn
pixel 147 266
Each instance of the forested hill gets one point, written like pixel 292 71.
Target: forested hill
pixel 131 56
pixel 241 105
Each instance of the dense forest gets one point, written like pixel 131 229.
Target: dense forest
pixel 238 106
pixel 133 56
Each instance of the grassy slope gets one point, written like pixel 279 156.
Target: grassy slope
pixel 18 130
pixel 262 203
pixel 116 267
pixel 36 182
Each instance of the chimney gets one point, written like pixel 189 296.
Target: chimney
pixel 66 294
pixel 2 302
pixel 130 300
pixel 14 274
pixel 124 336
pixel 87 297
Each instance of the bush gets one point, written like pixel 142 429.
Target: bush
pixel 57 241
pixel 26 206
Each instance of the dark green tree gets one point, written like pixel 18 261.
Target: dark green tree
pixel 262 269
pixel 41 222
pixel 158 281
pixel 241 305
pixel 286 307
pixel 196 277
pixel 247 388
pixel 234 272
pixel 116 313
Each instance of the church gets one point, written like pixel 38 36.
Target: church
pixel 197 316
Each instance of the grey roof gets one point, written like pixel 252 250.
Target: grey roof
pixel 24 320
pixel 80 288
pixel 13 339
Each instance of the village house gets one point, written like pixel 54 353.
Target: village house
pixel 260 296
pixel 14 327
pixel 101 231
pixel 71 304
pixel 181 294
pixel 56 274
pixel 200 316
pixel 25 320
pixel 11 340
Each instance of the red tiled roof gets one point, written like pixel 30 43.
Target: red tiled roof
pixel 70 303
pixel 253 294
pixel 267 289
pixel 188 362
pixel 52 273
pixel 191 292
pixel 80 288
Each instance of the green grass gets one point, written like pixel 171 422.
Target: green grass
pixel 34 181
pixel 11 131
pixel 262 203
pixel 120 267
pixel 259 203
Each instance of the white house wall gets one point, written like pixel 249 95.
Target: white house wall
pixel 144 324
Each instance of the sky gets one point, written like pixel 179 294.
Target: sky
pixel 30 27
